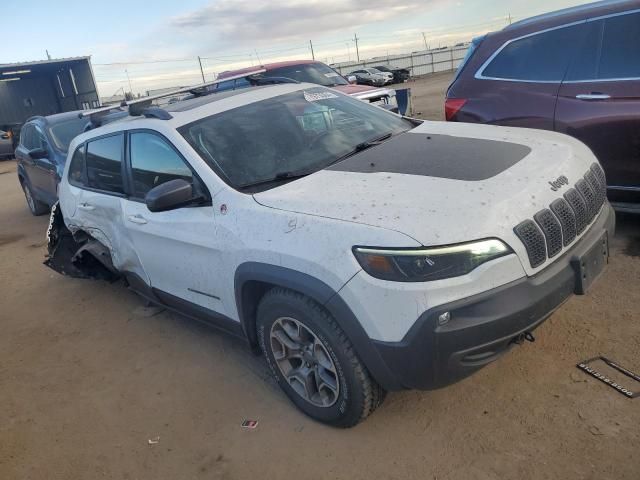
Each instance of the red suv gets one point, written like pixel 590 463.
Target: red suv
pixel 315 72
pixel 575 71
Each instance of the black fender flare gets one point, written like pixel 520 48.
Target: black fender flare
pixel 255 273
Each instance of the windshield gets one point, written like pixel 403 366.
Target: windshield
pixel 63 132
pixel 303 131
pixel 311 72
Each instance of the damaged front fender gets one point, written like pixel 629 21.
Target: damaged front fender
pixel 77 254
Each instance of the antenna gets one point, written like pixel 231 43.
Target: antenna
pixel 259 61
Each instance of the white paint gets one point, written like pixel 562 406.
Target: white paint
pixel 310 225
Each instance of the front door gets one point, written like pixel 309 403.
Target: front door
pixel 44 170
pixel 599 101
pixel 177 248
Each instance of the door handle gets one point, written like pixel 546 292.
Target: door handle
pixel 86 206
pixel 593 96
pixel 139 219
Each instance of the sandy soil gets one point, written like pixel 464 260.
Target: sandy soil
pixel 88 376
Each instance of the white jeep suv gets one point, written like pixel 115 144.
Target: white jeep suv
pixel 361 251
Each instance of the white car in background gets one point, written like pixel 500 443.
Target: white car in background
pixel 360 251
pixel 372 76
pixel 6 145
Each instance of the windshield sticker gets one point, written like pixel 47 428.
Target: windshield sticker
pixel 331 74
pixel 314 97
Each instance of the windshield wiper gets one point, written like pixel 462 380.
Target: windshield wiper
pixel 363 146
pixel 280 177
pixel 292 175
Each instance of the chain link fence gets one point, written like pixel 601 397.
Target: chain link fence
pixel 420 63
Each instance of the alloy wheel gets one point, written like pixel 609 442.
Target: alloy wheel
pixel 304 362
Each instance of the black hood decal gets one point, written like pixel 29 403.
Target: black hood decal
pixel 443 156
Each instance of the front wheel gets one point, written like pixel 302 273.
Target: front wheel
pixel 313 360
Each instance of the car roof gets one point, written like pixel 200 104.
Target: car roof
pixel 191 103
pixel 571 14
pixel 55 118
pixel 190 110
pixel 266 66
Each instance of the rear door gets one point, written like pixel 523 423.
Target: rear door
pixel 44 169
pixel 99 203
pixel 599 101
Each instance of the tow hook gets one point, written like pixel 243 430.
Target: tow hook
pixel 520 339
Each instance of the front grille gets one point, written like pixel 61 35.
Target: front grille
pixel 550 226
pixel 533 240
pixel 565 219
pixel 579 207
pixel 589 196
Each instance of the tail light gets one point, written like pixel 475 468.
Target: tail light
pixel 452 106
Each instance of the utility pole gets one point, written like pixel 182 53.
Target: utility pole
pixel 355 38
pixel 129 80
pixel 201 70
pixel 313 55
pixel 424 38
pixel 48 56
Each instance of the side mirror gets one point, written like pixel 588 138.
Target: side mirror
pixel 169 196
pixel 352 79
pixel 37 153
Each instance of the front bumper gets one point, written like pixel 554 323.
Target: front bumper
pixel 482 327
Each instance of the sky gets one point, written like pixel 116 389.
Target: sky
pixel 140 45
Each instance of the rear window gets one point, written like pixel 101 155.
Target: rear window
pixel 104 160
pixel 540 57
pixel 475 43
pixel 77 175
pixel 63 132
pixel 318 73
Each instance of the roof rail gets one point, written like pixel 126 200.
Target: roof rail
pixel 138 106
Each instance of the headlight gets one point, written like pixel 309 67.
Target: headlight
pixel 427 264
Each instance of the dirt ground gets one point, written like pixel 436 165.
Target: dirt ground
pixel 88 376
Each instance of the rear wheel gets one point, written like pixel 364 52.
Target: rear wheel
pixel 36 206
pixel 313 360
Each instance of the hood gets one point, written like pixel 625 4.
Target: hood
pixel 444 183
pixel 354 89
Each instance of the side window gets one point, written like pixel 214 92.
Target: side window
pixel 39 138
pixel 584 65
pixel 76 168
pixel 104 164
pixel 154 162
pixel 620 41
pixel 540 57
pixel 26 137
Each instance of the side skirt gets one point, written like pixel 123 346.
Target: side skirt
pixel 184 307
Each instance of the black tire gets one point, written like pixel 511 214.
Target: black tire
pixel 358 395
pixel 36 207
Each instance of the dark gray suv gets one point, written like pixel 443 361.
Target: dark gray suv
pixel 41 155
